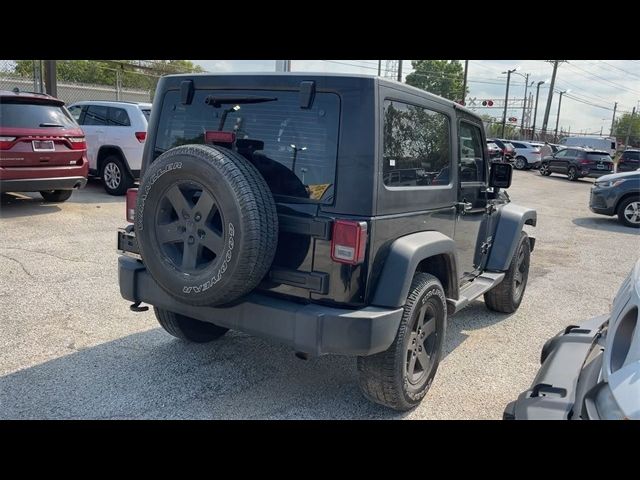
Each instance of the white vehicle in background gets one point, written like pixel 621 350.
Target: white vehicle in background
pixel 115 133
pixel 607 144
pixel 526 156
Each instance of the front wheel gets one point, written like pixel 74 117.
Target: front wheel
pixel 572 174
pixel 629 212
pixel 520 163
pixel 400 376
pixel 545 170
pixel 187 328
pixel 507 295
pixel 56 196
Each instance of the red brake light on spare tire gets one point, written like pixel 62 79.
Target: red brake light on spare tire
pixel 141 136
pixel 348 242
pixel 132 196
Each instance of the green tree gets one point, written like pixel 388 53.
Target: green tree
pixel 441 77
pixel 622 127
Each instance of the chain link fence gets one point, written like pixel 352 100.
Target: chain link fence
pixel 28 75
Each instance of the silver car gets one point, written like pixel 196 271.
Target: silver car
pixel 526 156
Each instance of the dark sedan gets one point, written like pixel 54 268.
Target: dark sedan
pixel 618 194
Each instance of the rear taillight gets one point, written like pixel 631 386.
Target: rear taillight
pixel 214 136
pixel 584 161
pixel 78 143
pixel 348 242
pixel 132 196
pixel 141 136
pixel 6 142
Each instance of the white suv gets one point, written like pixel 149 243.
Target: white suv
pixel 115 133
pixel 527 155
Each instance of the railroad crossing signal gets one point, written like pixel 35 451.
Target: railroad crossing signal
pixel 487 103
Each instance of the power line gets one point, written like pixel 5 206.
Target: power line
pixel 621 69
pixel 604 79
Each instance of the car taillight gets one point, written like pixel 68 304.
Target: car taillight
pixel 348 242
pixel 584 161
pixel 141 136
pixel 214 136
pixel 77 143
pixel 132 195
pixel 6 142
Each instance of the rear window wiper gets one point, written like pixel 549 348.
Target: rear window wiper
pixel 218 100
pixel 51 125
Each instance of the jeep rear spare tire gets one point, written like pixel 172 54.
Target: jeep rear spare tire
pixel 206 224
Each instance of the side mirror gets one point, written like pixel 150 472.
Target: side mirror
pixel 500 175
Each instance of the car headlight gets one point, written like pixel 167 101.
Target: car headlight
pixel 606 405
pixel 610 183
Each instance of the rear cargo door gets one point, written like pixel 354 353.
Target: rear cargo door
pixel 35 133
pixel 292 143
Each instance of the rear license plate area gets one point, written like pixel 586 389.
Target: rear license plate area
pixel 43 146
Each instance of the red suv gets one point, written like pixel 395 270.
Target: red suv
pixel 42 148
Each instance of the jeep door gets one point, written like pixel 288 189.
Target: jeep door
pixel 472 229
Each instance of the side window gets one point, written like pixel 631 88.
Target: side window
pixel 472 164
pixel 118 117
pixel 95 115
pixel 562 153
pixel 517 145
pixel 572 153
pixel 75 112
pixel 416 146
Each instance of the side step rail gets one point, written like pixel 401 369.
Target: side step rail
pixel 481 284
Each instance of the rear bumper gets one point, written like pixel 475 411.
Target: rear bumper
pixel 310 328
pixel 40 184
pixel 553 392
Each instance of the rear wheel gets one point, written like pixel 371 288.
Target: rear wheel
pixel 187 328
pixel 115 177
pixel 56 195
pixel 629 212
pixel 400 376
pixel 520 163
pixel 572 174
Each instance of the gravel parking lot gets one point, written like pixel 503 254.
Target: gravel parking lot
pixel 70 347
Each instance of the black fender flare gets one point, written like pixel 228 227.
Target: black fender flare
pixel 511 220
pixel 403 258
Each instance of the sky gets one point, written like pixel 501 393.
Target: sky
pixel 588 107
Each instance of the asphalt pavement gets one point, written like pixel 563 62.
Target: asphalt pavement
pixel 71 348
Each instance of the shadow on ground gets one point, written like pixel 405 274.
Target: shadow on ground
pixel 21 205
pixel 152 375
pixel 601 223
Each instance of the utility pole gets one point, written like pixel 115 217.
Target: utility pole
pixel 613 120
pixel 379 67
pixel 524 104
pixel 464 82
pixel 626 140
pixel 550 97
pixel 399 70
pixel 51 81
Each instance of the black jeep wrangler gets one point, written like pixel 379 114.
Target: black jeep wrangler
pixel 335 213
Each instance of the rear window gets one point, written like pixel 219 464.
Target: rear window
pixel 294 149
pixel 599 156
pixel 34 115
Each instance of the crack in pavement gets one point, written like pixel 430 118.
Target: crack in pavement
pixel 49 254
pixel 19 263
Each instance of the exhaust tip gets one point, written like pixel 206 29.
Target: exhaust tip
pixel 302 355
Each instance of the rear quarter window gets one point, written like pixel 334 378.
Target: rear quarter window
pixel 294 149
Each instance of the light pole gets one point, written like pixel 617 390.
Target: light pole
pixel 555 135
pixel 506 98
pixel 295 155
pixel 535 108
